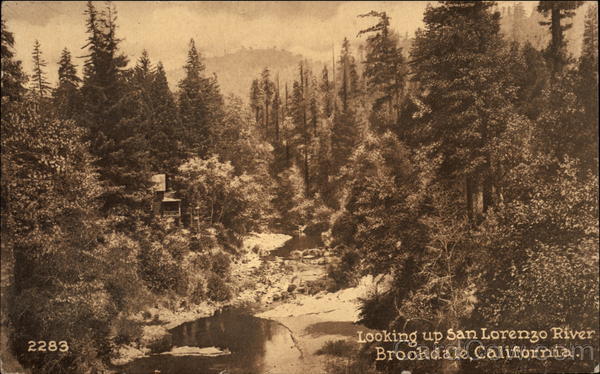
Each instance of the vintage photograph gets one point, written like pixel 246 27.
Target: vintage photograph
pixel 271 187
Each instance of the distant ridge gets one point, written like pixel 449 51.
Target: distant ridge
pixel 236 70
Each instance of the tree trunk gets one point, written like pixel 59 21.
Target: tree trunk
pixel 277 125
pixel 469 196
pixel 488 183
pixel 306 174
pixel 266 120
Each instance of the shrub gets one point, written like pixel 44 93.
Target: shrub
pixel 344 272
pixel 177 244
pixel 202 262
pixel 343 229
pixel 126 330
pixel 339 348
pixel 195 245
pixel 158 268
pixel 217 289
pixel 316 228
pixel 198 294
pixel 220 263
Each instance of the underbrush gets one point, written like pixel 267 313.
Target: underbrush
pixel 344 273
pixel 346 357
pixel 339 348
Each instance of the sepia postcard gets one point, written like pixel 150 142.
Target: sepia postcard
pixel 299 187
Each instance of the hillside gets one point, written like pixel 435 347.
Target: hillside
pixel 235 71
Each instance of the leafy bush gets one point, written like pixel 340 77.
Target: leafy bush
pixel 158 268
pixel 340 348
pixel 195 245
pixel 217 289
pixel 220 263
pixel 126 330
pixel 344 273
pixel 198 293
pixel 235 201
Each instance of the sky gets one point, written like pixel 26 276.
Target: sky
pixel 164 28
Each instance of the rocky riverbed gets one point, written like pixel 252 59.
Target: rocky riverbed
pixel 288 291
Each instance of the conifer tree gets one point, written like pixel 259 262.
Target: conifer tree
pixel 588 80
pixel 256 100
pixel 67 99
pixel 384 64
pixel 558 11
pixel 276 111
pixel 348 76
pixel 344 128
pixel 40 84
pixel 199 102
pixel 267 88
pixel 13 77
pixel 165 142
pixel 109 114
pixel 465 90
pixel 326 93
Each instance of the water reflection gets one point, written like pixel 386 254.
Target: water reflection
pixel 257 346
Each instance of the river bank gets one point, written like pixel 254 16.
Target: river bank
pixel 172 311
pixel 286 291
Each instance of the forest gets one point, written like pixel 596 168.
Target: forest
pixel 463 165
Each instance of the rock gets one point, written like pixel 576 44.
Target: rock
pixel 276 297
pixel 291 288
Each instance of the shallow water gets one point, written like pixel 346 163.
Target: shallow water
pixel 257 346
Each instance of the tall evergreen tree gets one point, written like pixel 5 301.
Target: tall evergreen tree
pixel 344 128
pixel 267 88
pixel 326 93
pixel 457 61
pixel 276 111
pixel 157 116
pixel 302 137
pixel 588 80
pixel 165 141
pixel 40 84
pixel 558 11
pixel 198 100
pixel 67 99
pixel 384 64
pixel 13 77
pixel 348 76
pixel 256 100
pixel 109 112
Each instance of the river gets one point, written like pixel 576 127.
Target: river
pixel 281 338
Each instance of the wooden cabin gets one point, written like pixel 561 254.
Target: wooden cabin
pixel 164 203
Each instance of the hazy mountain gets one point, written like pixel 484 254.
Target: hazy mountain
pixel 235 71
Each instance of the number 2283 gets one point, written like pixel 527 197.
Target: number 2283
pixel 47 346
